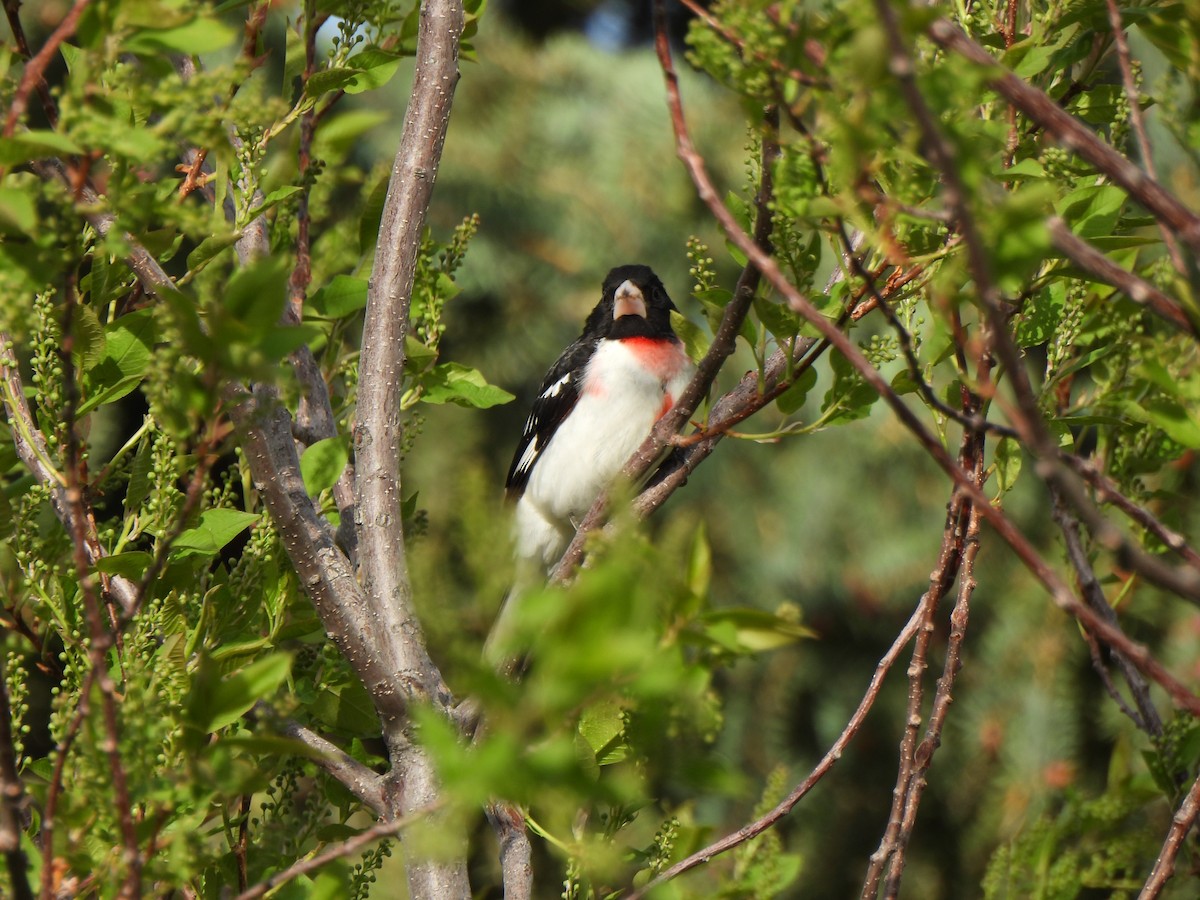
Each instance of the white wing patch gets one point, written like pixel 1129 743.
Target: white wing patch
pixel 555 389
pixel 530 454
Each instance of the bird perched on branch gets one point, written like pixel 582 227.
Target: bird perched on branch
pixel 597 405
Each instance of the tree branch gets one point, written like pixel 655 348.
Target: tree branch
pixel 1074 135
pixel 828 761
pixel 397 639
pixel 1183 821
pixel 1059 592
pixel 1131 285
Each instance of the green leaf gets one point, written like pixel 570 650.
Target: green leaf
pixel 602 726
pixel 18 211
pixel 376 68
pixel 127 352
pixel 88 337
pixel 754 629
pixel 209 248
pixel 793 398
pixel 131 564
pixel 1007 461
pixel 233 696
pixel 695 341
pixel 342 296
pixel 322 463
pixel 216 529
pixel 1092 211
pixel 201 35
pixel 256 294
pixel 36 144
pixel 456 383
pixel 348 709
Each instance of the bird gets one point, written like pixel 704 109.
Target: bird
pixel 597 404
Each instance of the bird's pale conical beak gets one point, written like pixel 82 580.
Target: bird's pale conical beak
pixel 629 301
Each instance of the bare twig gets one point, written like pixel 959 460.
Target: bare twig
pixel 35 68
pixel 959 547
pixel 340 851
pixel 1131 285
pixel 1125 61
pixel 828 761
pixel 1073 134
pixel 1147 717
pixel 100 638
pixel 943 697
pixel 1108 492
pixel 1181 824
pixel 1059 592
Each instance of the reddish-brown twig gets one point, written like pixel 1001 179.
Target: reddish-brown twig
pixel 35 68
pixel 1026 552
pixel 1185 817
pixel 828 761
pixel 1125 61
pixel 341 851
pixel 1073 134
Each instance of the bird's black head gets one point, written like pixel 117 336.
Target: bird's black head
pixel 634 304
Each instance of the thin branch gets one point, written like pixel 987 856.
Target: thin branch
pixel 12 11
pixel 340 851
pixel 943 697
pixel 959 546
pixel 34 453
pixel 1125 61
pixel 1108 492
pixel 1131 285
pixel 100 638
pixel 363 782
pixel 1147 717
pixel 35 68
pixel 828 761
pixel 1059 592
pixel 1073 134
pixel 1181 824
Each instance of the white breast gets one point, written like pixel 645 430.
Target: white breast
pixel 620 401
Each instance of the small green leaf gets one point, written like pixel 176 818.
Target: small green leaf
pixel 201 35
pixel 342 296
pixel 602 726
pixel 793 398
pixel 216 529
pixel 127 351
pixel 35 144
pixel 376 68
pixel 233 696
pixel 322 463
pixel 456 383
pixel 348 709
pixel 131 564
pixel 1008 464
pixel 18 211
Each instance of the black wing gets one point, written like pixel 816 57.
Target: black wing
pixel 556 398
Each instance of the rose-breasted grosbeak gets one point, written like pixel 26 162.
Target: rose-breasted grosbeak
pixel 598 402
